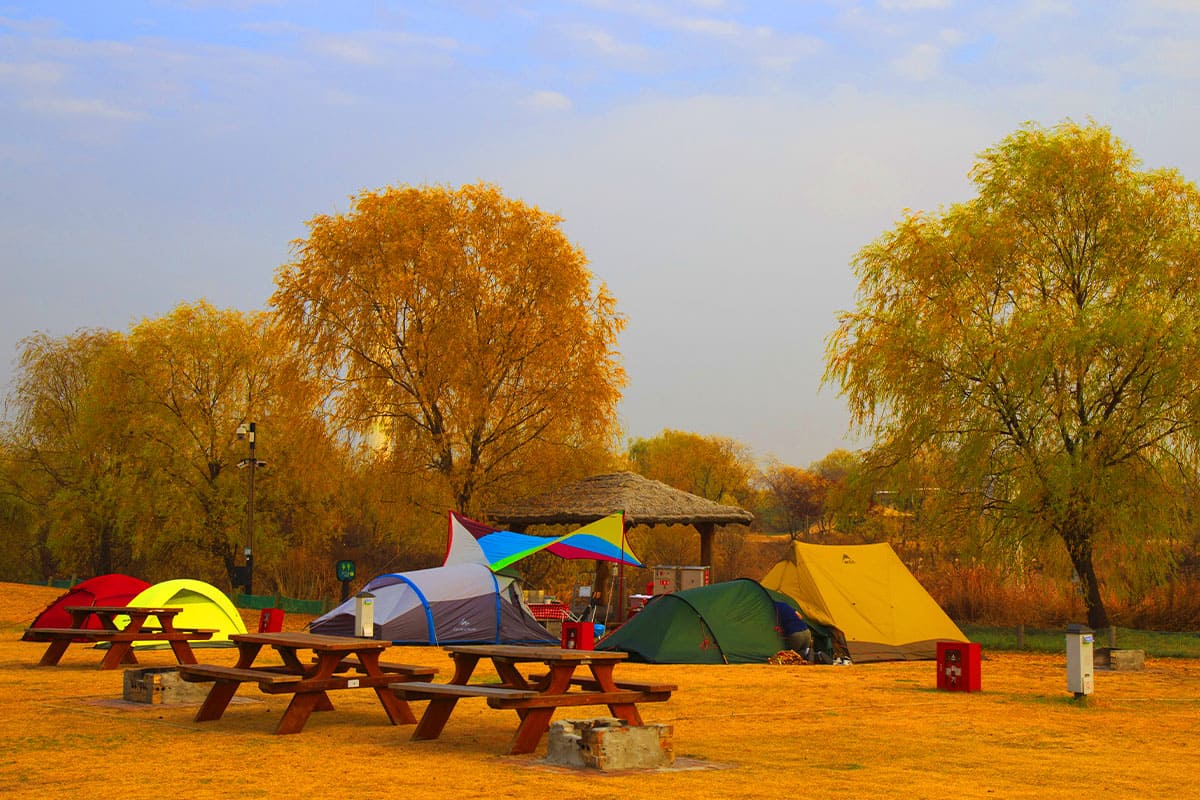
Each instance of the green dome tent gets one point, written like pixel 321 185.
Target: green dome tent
pixel 726 623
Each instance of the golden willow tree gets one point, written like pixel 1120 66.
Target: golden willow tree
pixel 187 381
pixel 465 328
pixel 62 461
pixel 1042 343
pixel 123 449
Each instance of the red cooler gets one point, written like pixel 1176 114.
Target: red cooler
pixel 578 635
pixel 958 666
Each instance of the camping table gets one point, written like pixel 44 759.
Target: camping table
pixel 120 639
pixel 338 662
pixel 534 699
pixel 550 612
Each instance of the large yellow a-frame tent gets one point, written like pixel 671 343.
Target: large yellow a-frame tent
pixel 867 593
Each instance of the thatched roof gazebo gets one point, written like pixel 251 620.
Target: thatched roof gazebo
pixel 644 501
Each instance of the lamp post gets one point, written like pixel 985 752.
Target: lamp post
pixel 246 431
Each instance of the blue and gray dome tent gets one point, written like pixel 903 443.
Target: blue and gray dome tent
pixel 458 604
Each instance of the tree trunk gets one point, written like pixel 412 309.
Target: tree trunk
pixel 1079 547
pixel 104 551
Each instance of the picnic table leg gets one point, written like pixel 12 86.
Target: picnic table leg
pixel 440 708
pixel 603 673
pixel 292 662
pixel 533 726
pixel 299 710
pixel 218 699
pixel 398 711
pixel 510 676
pixel 536 721
pixel 627 712
pixel 434 718
pixel 121 652
pixel 54 652
pixel 118 653
pixel 183 652
pixel 247 652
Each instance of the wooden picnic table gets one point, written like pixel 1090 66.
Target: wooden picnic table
pixel 534 698
pixel 338 662
pixel 120 639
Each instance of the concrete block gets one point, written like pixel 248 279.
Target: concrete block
pixel 161 685
pixel 1120 660
pixel 607 743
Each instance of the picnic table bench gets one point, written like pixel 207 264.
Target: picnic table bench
pixel 534 699
pixel 592 685
pixel 338 663
pixel 418 690
pixel 500 696
pixel 414 671
pixel 120 639
pixel 266 678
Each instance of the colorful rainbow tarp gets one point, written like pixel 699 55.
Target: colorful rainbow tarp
pixel 474 542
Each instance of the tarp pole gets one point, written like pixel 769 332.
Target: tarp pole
pixel 621 575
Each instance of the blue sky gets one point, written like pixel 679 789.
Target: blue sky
pixel 719 162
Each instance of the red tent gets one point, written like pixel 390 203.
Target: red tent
pixel 103 590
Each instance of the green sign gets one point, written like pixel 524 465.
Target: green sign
pixel 345 570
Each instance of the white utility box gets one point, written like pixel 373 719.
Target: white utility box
pixel 364 615
pixel 1080 662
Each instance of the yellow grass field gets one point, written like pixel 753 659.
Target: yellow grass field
pixel 862 731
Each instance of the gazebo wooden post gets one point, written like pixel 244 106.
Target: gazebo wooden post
pixel 622 612
pixel 707 529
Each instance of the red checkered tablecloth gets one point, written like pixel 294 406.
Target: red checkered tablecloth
pixel 550 611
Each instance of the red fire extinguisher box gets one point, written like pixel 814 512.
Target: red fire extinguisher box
pixel 579 635
pixel 270 620
pixel 958 666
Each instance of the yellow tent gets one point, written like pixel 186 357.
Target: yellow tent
pixel 867 593
pixel 204 606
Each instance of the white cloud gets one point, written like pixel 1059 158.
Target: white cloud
pixel 371 48
pixel 1180 6
pixel 951 37
pixel 1169 58
pixel 232 5
pixel 32 75
pixel 601 42
pixel 922 62
pixel 548 101
pixel 37 26
pixel 80 107
pixel 274 28
pixel 708 26
pixel 350 49
pixel 1035 9
pixel 914 5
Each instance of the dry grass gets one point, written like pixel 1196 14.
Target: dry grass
pixel 878 730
